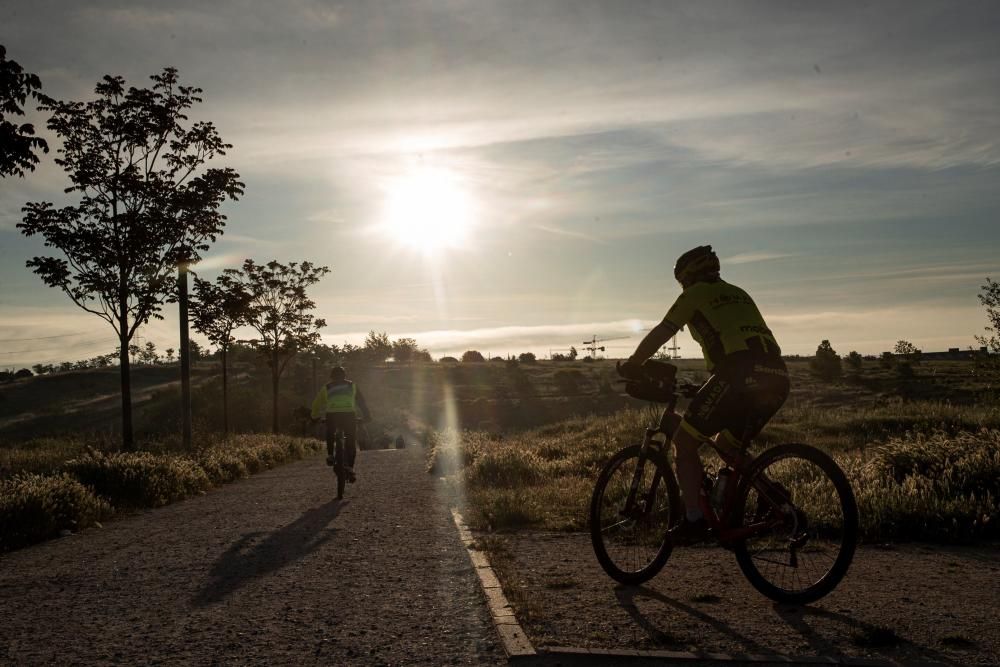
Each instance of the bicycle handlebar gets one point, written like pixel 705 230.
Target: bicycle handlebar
pixel 652 373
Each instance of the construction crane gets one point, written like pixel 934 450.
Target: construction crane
pixel 593 347
pixel 674 349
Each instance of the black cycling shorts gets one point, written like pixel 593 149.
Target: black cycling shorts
pixel 741 400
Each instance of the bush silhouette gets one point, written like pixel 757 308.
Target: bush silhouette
pixel 826 364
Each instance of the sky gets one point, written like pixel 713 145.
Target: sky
pixel 514 176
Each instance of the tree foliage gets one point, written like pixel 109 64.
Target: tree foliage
pixel 377 347
pixel 853 360
pixel 472 356
pixel 146 202
pixel 989 297
pixel 826 364
pixel 218 309
pixel 907 351
pixel 278 309
pixel 405 350
pixel 18 142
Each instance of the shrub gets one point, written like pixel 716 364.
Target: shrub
pixel 527 358
pixel 448 360
pixel 139 479
pixel 37 507
pixel 826 364
pixel 472 356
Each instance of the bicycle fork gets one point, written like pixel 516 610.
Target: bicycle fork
pixel 630 509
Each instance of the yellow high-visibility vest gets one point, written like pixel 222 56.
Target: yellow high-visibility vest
pixel 334 398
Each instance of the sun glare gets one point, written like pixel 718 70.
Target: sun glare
pixel 428 209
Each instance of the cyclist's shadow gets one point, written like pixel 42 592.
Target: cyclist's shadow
pixel 251 557
pixel 626 599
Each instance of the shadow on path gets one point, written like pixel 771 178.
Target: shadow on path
pixel 247 558
pixel 626 598
pixel 797 618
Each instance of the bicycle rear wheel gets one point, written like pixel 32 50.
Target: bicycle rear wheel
pixel 631 543
pixel 339 466
pixel 807 524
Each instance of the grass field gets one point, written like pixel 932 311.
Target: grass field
pixel 921 469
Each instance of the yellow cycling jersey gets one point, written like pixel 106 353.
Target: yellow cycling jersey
pixel 724 320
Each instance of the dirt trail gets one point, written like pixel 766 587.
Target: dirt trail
pixel 270 570
pixel 912 604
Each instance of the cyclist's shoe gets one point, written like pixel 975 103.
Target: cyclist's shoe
pixel 351 477
pixel 329 461
pixel 689 532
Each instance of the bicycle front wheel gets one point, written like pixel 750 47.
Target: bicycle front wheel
pixel 802 517
pixel 630 542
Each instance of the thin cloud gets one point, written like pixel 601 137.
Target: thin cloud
pixel 751 257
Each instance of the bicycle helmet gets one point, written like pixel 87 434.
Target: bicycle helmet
pixel 700 263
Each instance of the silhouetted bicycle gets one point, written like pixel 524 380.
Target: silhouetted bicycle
pixel 789 514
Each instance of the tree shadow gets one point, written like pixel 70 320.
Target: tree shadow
pixel 247 558
pixel 626 599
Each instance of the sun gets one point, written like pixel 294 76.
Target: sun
pixel 428 209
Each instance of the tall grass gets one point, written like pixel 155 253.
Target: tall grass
pixel 936 476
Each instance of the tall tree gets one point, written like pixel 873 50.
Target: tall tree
pixel 146 204
pixel 279 311
pixel 219 309
pixel 18 142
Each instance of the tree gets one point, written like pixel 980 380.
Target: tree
pixel 990 298
pixel 23 373
pixel 404 350
pixel 472 356
pixel 908 351
pixel 527 358
pixel 572 353
pixel 826 364
pixel 377 347
pixel 168 354
pixel 887 360
pixel 148 353
pixel 217 310
pixel 853 361
pixel 278 310
pixel 18 142
pixel 145 204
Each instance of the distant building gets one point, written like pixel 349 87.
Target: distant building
pixel 955 354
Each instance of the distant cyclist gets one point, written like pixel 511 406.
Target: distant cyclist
pixel 340 400
pixel 748 382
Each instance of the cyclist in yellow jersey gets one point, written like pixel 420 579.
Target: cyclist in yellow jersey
pixel 748 382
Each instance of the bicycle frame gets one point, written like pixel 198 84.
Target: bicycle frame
pixel 736 458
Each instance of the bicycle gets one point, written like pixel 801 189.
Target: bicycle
pixel 788 514
pixel 339 469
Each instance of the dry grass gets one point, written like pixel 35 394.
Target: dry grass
pixel 937 482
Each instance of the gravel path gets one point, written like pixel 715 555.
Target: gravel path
pixel 270 570
pixel 940 603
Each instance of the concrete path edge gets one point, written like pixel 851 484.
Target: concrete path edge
pixel 515 641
